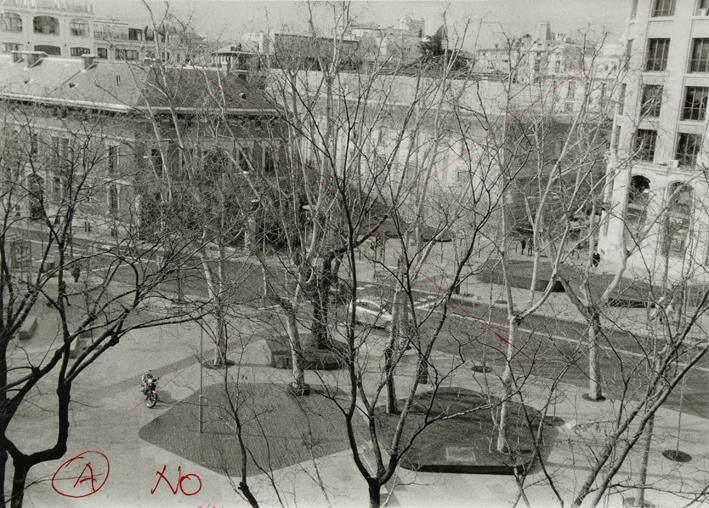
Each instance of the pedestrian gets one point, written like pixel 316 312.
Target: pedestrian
pixel 76 272
pixel 523 241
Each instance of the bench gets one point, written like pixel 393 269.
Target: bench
pixel 28 328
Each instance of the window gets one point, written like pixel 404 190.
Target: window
pixel 36 196
pixel 652 101
pixel 571 90
pixel 79 28
pixel 245 157
pixel 126 54
pixel 663 8
pixel 269 165
pixel 134 34
pixel 699 62
pixel 60 150
pixel 621 98
pixel 688 146
pixel 634 9
pixel 10 22
pixel 156 160
pixel 9 47
pixel 113 199
pixel 695 103
pixel 703 4
pixel 46 25
pixel 677 220
pixel 79 51
pixel 102 53
pixel 636 210
pixel 657 51
pixel 50 50
pixel 112 159
pixel 57 189
pixel 645 141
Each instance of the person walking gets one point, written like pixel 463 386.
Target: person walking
pixel 76 272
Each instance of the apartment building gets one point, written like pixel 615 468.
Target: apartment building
pixel 63 117
pixel 70 28
pixel 657 195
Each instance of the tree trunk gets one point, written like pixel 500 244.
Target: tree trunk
pixel 507 386
pixel 3 472
pixel 246 491
pixel 220 354
pixel 19 481
pixel 318 325
pixel 391 404
pixel 640 496
pixel 321 302
pixel 375 495
pixel 296 352
pixel 213 289
pixel 595 391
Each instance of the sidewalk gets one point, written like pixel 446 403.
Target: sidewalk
pixel 114 414
pixel 436 279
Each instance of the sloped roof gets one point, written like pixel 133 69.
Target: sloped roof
pixel 120 86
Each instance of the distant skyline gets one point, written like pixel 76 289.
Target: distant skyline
pixel 226 20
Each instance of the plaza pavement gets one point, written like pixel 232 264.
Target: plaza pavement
pixel 108 412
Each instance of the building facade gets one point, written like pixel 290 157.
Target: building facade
pixel 657 193
pixel 63 119
pixel 70 28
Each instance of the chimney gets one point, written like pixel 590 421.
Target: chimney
pixel 89 61
pixel 35 57
pixel 17 57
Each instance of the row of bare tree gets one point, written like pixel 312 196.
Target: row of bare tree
pixel 335 160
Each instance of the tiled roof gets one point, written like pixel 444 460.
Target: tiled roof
pixel 120 86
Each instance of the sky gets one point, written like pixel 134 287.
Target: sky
pixel 225 20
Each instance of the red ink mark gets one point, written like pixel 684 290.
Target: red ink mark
pixel 84 482
pixel 179 487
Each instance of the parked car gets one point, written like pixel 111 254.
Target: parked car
pixel 369 312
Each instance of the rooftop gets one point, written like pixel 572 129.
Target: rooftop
pixel 79 6
pixel 123 87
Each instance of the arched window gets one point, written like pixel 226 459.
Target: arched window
pixel 675 230
pixel 47 25
pixel 10 22
pixel 79 28
pixel 636 212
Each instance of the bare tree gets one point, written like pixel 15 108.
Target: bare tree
pixel 49 184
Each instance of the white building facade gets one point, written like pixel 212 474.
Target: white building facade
pixel 70 28
pixel 657 195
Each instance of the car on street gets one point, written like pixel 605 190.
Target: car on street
pixel 369 312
